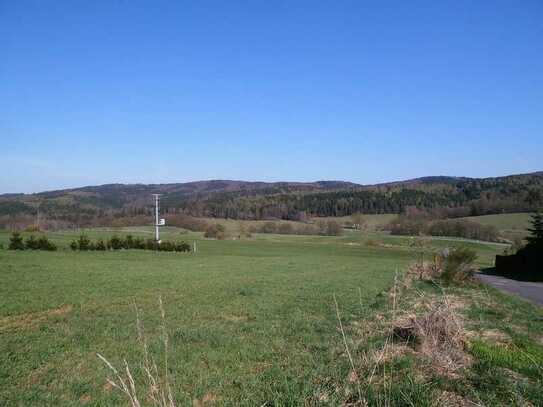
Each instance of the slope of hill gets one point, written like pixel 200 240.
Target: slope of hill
pixel 451 196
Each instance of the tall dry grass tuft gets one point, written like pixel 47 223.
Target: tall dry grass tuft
pixel 427 327
pixel 365 366
pixel 158 388
pixel 438 334
pixel 355 375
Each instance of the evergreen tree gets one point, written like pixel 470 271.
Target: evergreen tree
pixel 536 231
pixel 16 242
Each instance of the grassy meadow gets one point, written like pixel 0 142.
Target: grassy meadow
pixel 250 321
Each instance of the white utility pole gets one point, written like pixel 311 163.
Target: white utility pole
pixel 157 224
pixel 38 217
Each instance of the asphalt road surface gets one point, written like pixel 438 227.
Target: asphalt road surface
pixel 525 289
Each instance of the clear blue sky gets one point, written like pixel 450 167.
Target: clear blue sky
pixel 95 92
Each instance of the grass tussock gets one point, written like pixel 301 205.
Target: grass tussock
pixel 381 374
pixel 441 344
pixel 438 334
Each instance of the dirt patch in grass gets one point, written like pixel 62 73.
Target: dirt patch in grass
pixel 260 367
pixel 450 399
pixel 206 400
pixel 32 319
pixel 496 336
pixel 236 318
pixel 107 387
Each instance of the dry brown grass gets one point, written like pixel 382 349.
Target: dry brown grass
pixel 236 318
pixel 437 334
pixel 427 327
pixel 450 399
pixel 32 319
pixel 428 270
pixel 496 336
pixel 206 400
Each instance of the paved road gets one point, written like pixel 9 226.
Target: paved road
pixel 530 291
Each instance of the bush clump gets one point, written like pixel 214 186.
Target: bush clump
pixel 321 227
pixel 46 244
pixel 16 242
pixel 100 245
pixel 458 265
pixel 329 228
pixel 416 226
pixel 215 231
pixel 31 243
pixel 115 243
pixel 454 266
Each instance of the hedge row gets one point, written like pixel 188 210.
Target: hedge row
pixel 128 242
pixel 31 243
pixel 409 226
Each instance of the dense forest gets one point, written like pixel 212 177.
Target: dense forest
pixel 445 197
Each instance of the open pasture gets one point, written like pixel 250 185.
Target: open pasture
pixel 249 321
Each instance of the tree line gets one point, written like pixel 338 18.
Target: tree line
pixel 444 196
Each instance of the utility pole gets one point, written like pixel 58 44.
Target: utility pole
pixel 38 217
pixel 157 223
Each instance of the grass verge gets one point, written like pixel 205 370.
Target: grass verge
pixel 441 345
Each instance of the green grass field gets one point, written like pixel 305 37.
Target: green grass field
pixel 250 321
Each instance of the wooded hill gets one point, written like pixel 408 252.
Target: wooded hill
pixel 445 196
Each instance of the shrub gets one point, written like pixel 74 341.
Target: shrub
pixel 333 228
pixel 268 227
pixel 151 244
pixel 100 245
pixel 329 228
pixel 73 245
pixel 31 243
pixel 244 231
pixel 83 243
pixel 115 243
pixel 463 228
pixel 16 242
pixel 215 231
pixel 139 243
pixel 285 229
pixel 46 244
pixel 128 242
pixel 458 265
pixel 307 230
pixel 182 247
pixel 404 225
pixel 166 246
